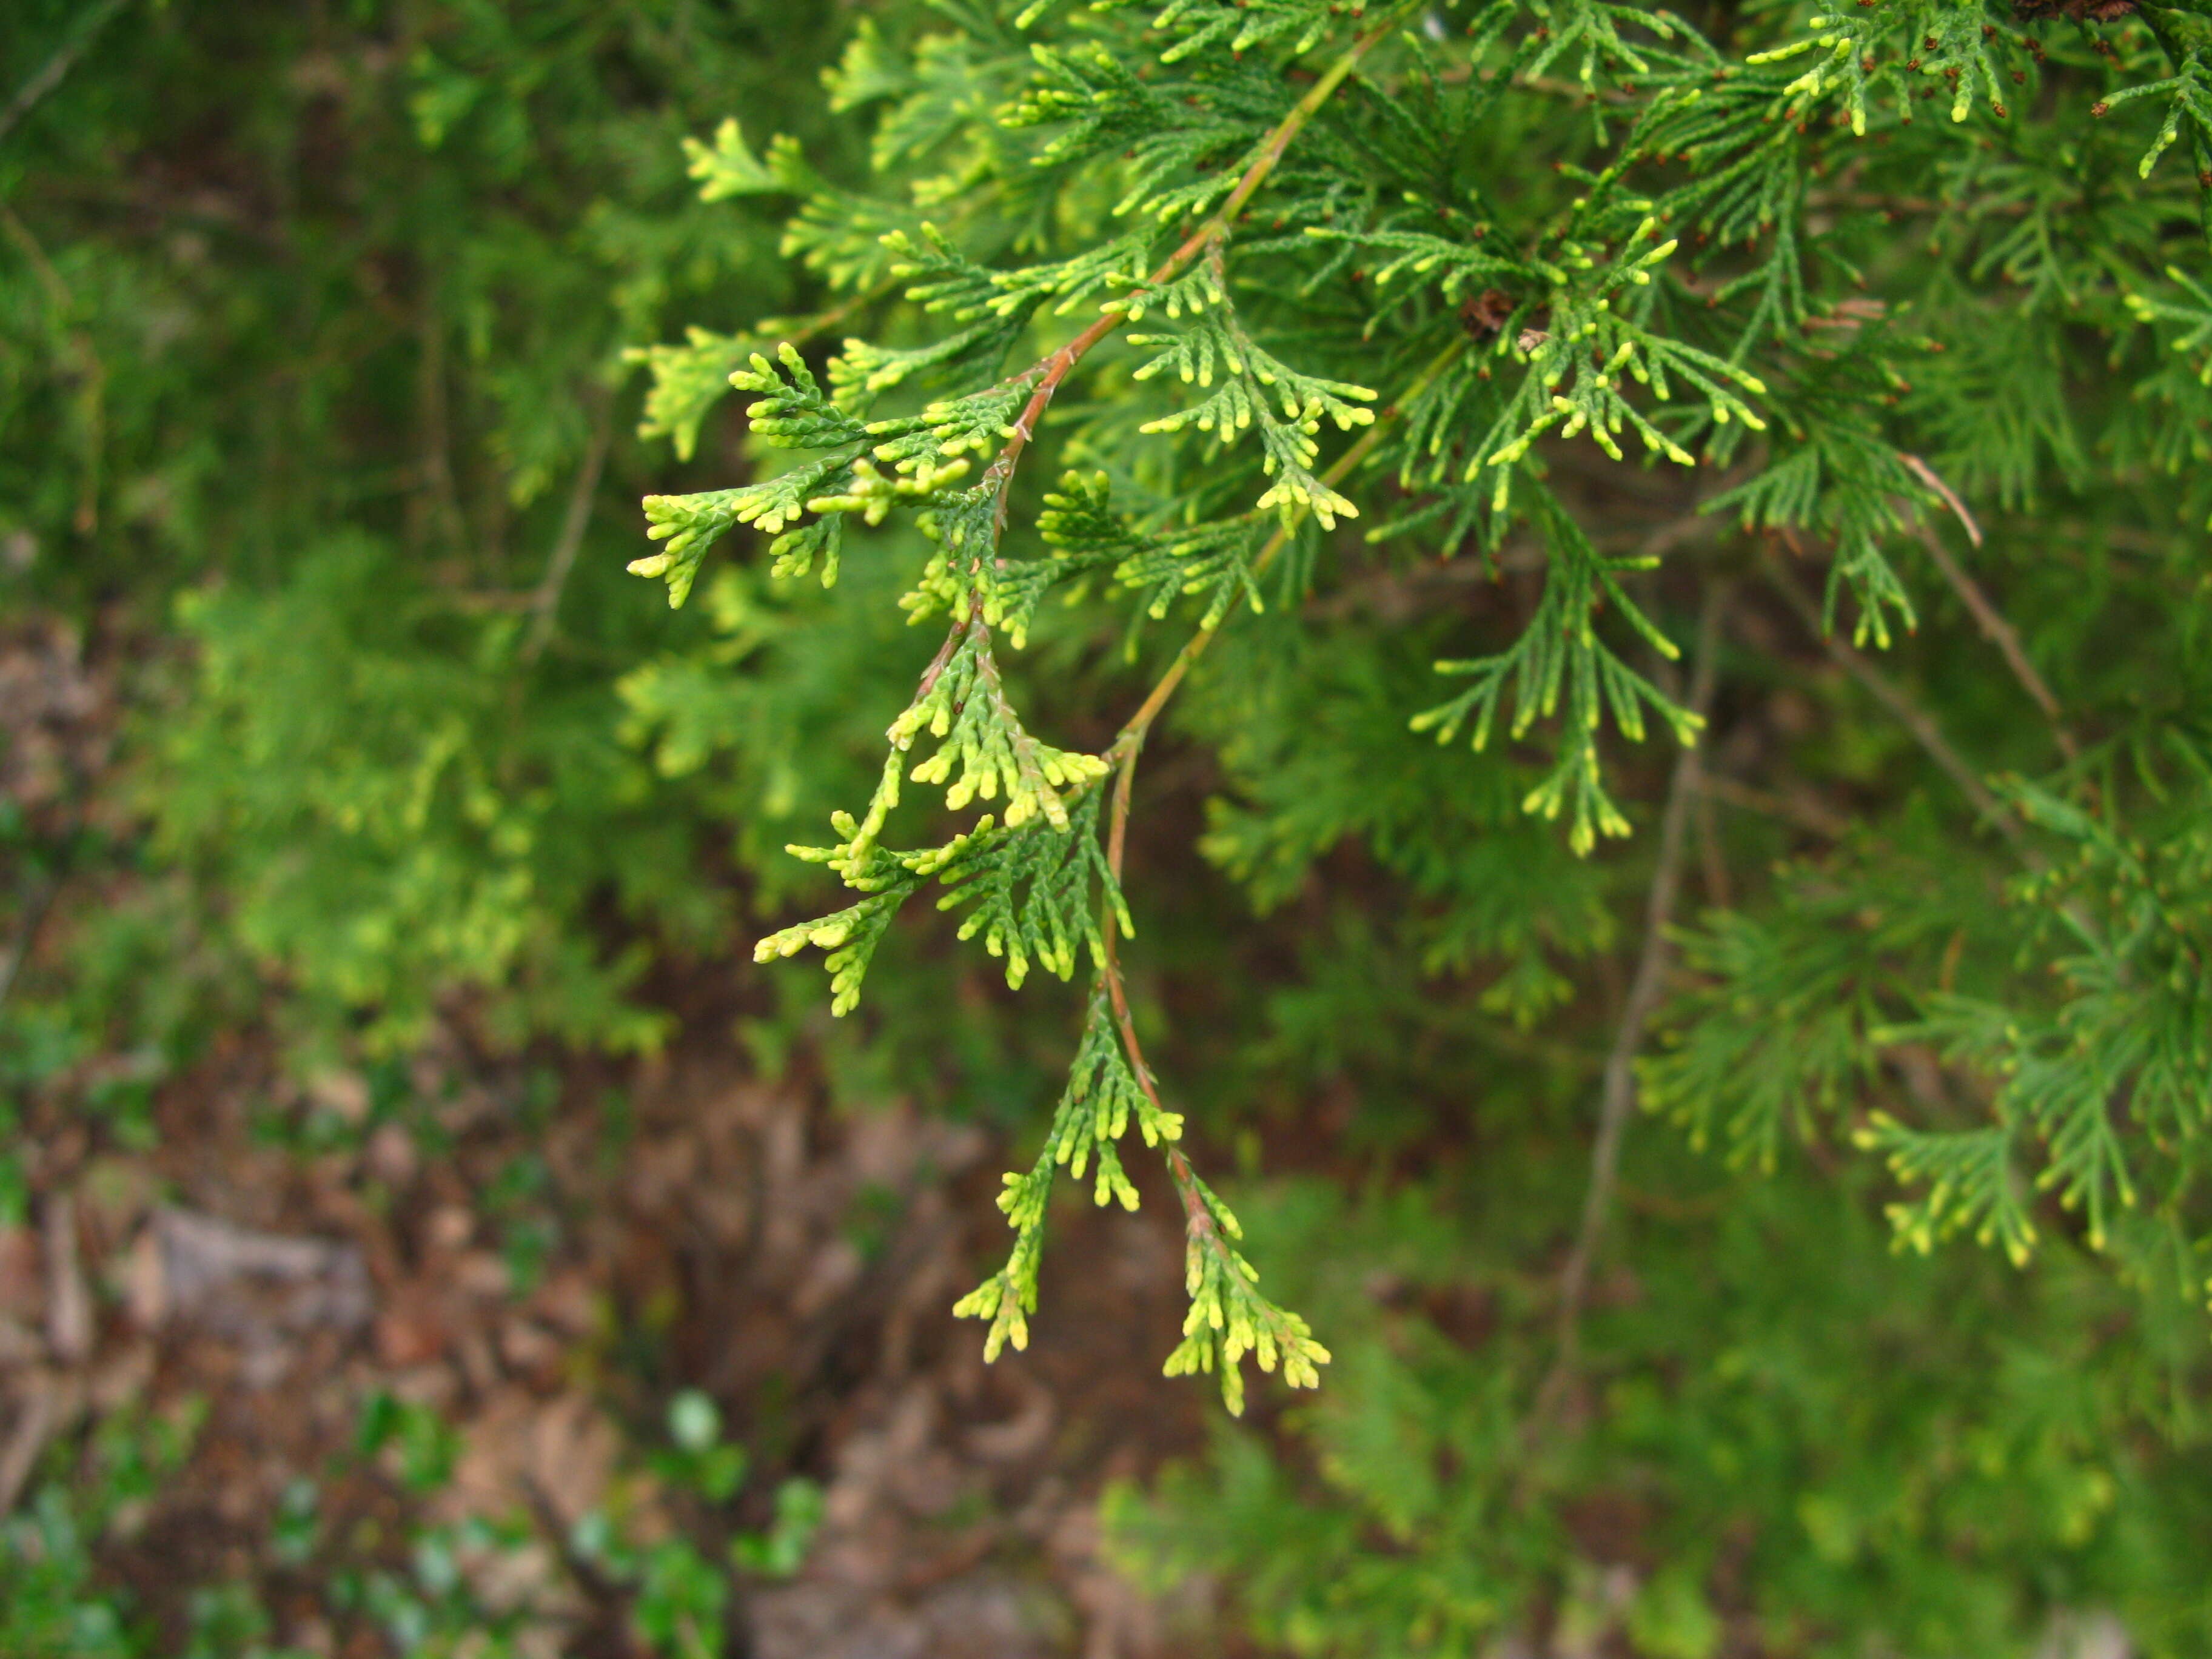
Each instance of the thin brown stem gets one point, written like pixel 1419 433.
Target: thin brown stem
pixel 50 74
pixel 434 463
pixel 953 638
pixel 1055 368
pixel 1806 814
pixel 545 602
pixel 1720 891
pixel 2002 633
pixel 1198 1220
pixel 1924 730
pixel 1618 1098
pixel 26 934
pixel 1908 713
pixel 91 371
pixel 1991 621
pixel 57 291
pixel 1950 498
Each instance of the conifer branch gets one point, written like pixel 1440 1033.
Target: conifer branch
pixel 689 378
pixel 1582 307
pixel 1211 1259
pixel 1201 243
pixel 1130 740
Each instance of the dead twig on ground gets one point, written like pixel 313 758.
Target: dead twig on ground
pixel 39 1416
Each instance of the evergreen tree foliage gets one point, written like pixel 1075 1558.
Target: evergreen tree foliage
pixel 1330 205
pixel 1501 341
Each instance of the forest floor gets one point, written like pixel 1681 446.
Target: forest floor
pixel 543 1254
pixel 731 1236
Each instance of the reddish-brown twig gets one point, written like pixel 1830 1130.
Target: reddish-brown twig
pixel 1055 368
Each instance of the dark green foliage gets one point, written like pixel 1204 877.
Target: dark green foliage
pixel 1803 1467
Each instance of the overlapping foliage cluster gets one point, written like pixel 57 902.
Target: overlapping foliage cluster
pixel 1639 314
pixel 1508 309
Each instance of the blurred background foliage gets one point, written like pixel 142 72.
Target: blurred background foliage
pixel 315 322
pixel 319 416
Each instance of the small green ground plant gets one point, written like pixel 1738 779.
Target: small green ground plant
pixel 440 1588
